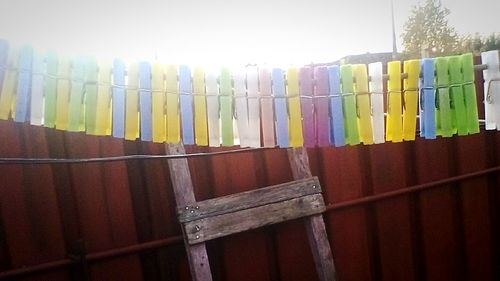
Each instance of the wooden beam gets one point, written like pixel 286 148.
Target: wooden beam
pixel 315 226
pixel 249 199
pixel 184 196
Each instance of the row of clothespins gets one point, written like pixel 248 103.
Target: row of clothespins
pixel 253 106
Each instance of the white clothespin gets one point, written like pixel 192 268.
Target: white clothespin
pixel 491 90
pixel 377 100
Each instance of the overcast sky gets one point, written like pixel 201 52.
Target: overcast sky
pixel 223 32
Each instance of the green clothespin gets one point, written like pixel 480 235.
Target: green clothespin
pixel 443 112
pixel 469 89
pixel 50 90
pixel 458 113
pixel 349 106
pixel 226 107
pixel 75 98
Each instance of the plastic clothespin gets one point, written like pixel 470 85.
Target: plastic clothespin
pixel 427 100
pixel 266 106
pixel 118 98
pixel 253 135
pixel 443 111
pixel 103 106
pixel 213 108
pixel 76 123
pixel 9 85
pixel 307 106
pixel 394 128
pixel 226 107
pixel 336 108
pixel 23 84
pixel 362 96
pixel 322 124
pixel 186 101
pixel 4 54
pixel 132 116
pixel 241 105
pixel 294 112
pixel 91 95
pixel 173 118
pixel 412 69
pixel 158 103
pixel 469 88
pixel 50 90
pixel 349 106
pixel 491 89
pixel 63 87
pixel 458 113
pixel 200 107
pixel 278 86
pixel 377 101
pixel 145 100
pixel 37 82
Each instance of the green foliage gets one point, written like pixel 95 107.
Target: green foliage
pixel 478 43
pixel 426 32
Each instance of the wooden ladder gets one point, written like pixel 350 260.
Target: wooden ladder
pixel 206 220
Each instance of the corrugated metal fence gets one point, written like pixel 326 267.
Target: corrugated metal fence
pixel 396 211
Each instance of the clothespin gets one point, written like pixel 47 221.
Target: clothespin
pixel 4 54
pixel 362 96
pixel 23 84
pixel 173 118
pixel 336 108
pixel 394 128
pixel 76 123
pixel 282 134
pixel 90 95
pixel 37 82
pixel 470 93
pixel 200 107
pixel 186 101
pixel 118 98
pixel 321 93
pixel 349 106
pixel 307 106
pixel 241 105
pixel 427 100
pixel 9 85
pixel 132 116
pixel 253 106
pixel 458 113
pixel 62 104
pixel 158 103
pixel 145 100
pixel 443 112
pixel 491 89
pixel 213 108
pixel 50 90
pixel 226 107
pixel 294 112
pixel 267 109
pixel 103 106
pixel 412 69
pixel 377 101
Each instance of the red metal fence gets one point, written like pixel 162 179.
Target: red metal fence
pixel 396 211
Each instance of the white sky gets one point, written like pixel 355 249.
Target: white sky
pixel 223 32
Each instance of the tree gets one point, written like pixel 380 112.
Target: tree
pixel 477 43
pixel 427 33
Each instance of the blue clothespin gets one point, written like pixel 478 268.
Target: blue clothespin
pixel 186 103
pixel 280 103
pixel 118 98
pixel 427 100
pixel 336 111
pixel 145 100
pixel 24 84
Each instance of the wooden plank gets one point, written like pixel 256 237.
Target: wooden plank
pixel 184 195
pixel 315 226
pixel 249 199
pixel 223 225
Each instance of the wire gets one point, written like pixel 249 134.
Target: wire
pixel 31 161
